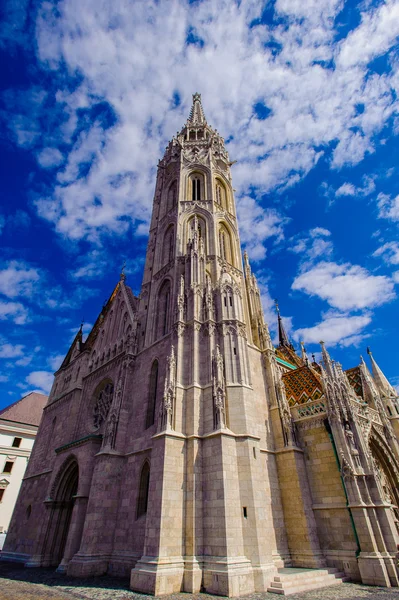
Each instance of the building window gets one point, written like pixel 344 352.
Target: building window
pixel 221 197
pixel 17 442
pixel 225 248
pixel 197 187
pixel 163 316
pixel 152 395
pixel 1 494
pixel 142 502
pixel 168 252
pixel 8 466
pixel 172 195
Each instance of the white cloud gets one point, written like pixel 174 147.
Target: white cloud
pixel 4 378
pixel 257 225
pixel 336 329
pixel 49 157
pixel 389 252
pixel 11 351
pixel 14 311
pixel 18 279
pixel 41 379
pixel 25 361
pixel 395 276
pixel 378 30
pixel 346 189
pixel 317 244
pixel 345 286
pixel 388 207
pixel 109 171
pixel 55 361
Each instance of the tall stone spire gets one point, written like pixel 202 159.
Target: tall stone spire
pixel 197 116
pixel 327 362
pixel 282 334
pixel 382 383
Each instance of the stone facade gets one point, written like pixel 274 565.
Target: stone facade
pixel 179 446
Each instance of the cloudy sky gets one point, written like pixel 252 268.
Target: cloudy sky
pixel 305 94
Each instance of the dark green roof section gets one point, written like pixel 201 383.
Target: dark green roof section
pixel 285 363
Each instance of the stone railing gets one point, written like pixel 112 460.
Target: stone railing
pixel 364 412
pixel 309 409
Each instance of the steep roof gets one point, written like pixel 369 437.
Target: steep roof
pixel 302 385
pixel 27 410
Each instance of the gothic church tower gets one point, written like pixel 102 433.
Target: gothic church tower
pixel 181 448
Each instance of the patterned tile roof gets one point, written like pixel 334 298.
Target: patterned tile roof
pixel 286 353
pixel 355 380
pixel 302 385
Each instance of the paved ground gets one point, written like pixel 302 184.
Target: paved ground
pixel 17 583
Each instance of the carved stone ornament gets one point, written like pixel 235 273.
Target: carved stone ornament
pixel 168 401
pixel 218 390
pixel 102 405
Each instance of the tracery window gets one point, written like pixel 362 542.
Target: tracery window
pixel 172 195
pixel 221 196
pixel 197 187
pixel 152 395
pixel 103 404
pixel 168 247
pixel 142 501
pixel 225 247
pixel 163 312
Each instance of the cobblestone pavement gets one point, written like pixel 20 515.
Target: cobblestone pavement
pixel 17 583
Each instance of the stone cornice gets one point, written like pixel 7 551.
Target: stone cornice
pixel 93 437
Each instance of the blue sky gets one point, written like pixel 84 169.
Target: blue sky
pixel 306 96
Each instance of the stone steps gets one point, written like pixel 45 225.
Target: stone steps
pixel 291 581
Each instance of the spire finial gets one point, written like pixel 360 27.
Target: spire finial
pixel 123 276
pixel 197 116
pixel 368 350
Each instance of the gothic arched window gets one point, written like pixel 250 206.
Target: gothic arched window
pixel 163 312
pixel 197 187
pixel 225 247
pixel 152 395
pixel 168 245
pixel 142 500
pixel 221 196
pixel 172 195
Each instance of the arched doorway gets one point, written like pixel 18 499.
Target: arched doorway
pixel 61 504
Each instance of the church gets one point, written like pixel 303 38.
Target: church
pixel 181 448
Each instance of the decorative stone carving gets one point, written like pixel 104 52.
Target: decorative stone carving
pixel 102 405
pixel 113 416
pixel 219 390
pixel 169 396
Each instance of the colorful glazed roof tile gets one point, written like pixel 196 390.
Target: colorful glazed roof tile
pixel 355 379
pixel 302 385
pixel 288 354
